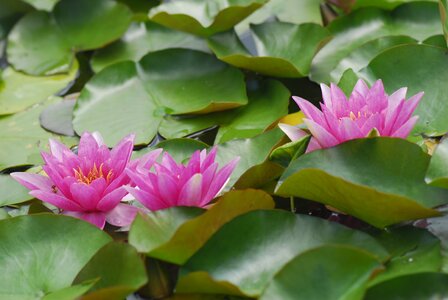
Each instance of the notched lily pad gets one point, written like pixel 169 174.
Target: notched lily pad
pixel 370 179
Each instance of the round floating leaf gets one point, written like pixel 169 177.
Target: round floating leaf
pixel 50 252
pixel 411 287
pixel 119 271
pixel 327 272
pixel 44 43
pixel 360 57
pixel 413 250
pixel 203 17
pixel 291 11
pixel 234 260
pixel 42 4
pixel 175 81
pixel 268 101
pixel 57 117
pixel 10 12
pixel 259 148
pixel 22 137
pixel 142 38
pixel 181 149
pixel 89 25
pixel 192 234
pixel 417 75
pixel 281 49
pixel 12 191
pixel 115 103
pixel 37 46
pixel 438 168
pixel 128 97
pixel 417 20
pixel 370 179
pixel 19 91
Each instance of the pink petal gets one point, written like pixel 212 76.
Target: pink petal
pixel 293 132
pixel 191 192
pixel 56 200
pixel 397 96
pixel 219 182
pixel 96 218
pixel 146 161
pixel 349 130
pixel 140 180
pixel 326 95
pixel 406 128
pixel 310 111
pixel 121 215
pixel 169 163
pixel 99 185
pixel 58 149
pixel 33 181
pixel 209 159
pixel 117 182
pixel 377 99
pixel 88 147
pixel 361 88
pixel 374 121
pixel 313 145
pixel 325 138
pixel 150 201
pixel 407 110
pixel 86 196
pixel 98 138
pixel 121 153
pixel 167 188
pixel 111 200
pixel 339 101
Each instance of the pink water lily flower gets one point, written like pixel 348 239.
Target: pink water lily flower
pixel 89 185
pixel 366 110
pixel 173 184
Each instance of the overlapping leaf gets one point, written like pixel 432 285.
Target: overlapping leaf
pixel 371 179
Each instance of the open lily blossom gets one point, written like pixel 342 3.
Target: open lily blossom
pixel 340 120
pixel 172 184
pixel 89 185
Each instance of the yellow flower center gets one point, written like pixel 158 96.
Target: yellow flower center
pixel 93 174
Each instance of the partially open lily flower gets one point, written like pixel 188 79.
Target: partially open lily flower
pixel 173 184
pixel 89 185
pixel 366 111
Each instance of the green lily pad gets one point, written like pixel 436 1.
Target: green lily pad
pixel 12 191
pixel 418 20
pixel 166 81
pixel 118 270
pixel 22 138
pixel 437 40
pixel 142 38
pixel 57 117
pixel 281 49
pixel 443 6
pixel 234 261
pixel 259 148
pixel 284 154
pixel 51 250
pixel 181 149
pixel 327 272
pixel 10 12
pixel 268 101
pixel 179 243
pixel 42 4
pixel 19 91
pixel 44 43
pixel 417 75
pixel 438 168
pixel 291 11
pixel 370 179
pixel 411 287
pixel 360 57
pixel 203 18
pixel 413 250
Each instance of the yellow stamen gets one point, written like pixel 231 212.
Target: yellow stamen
pixel 93 174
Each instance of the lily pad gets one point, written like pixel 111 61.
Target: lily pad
pixel 438 168
pixel 10 12
pixel 142 38
pixel 133 97
pixel 268 101
pixel 291 11
pixel 417 75
pixel 234 260
pixel 281 49
pixel 42 4
pixel 57 117
pixel 44 43
pixel 370 179
pixel 22 138
pixel 12 191
pixel 19 91
pixel 118 270
pixel 179 243
pixel 360 57
pixel 327 272
pixel 203 18
pixel 411 287
pixel 418 20
pixel 51 251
